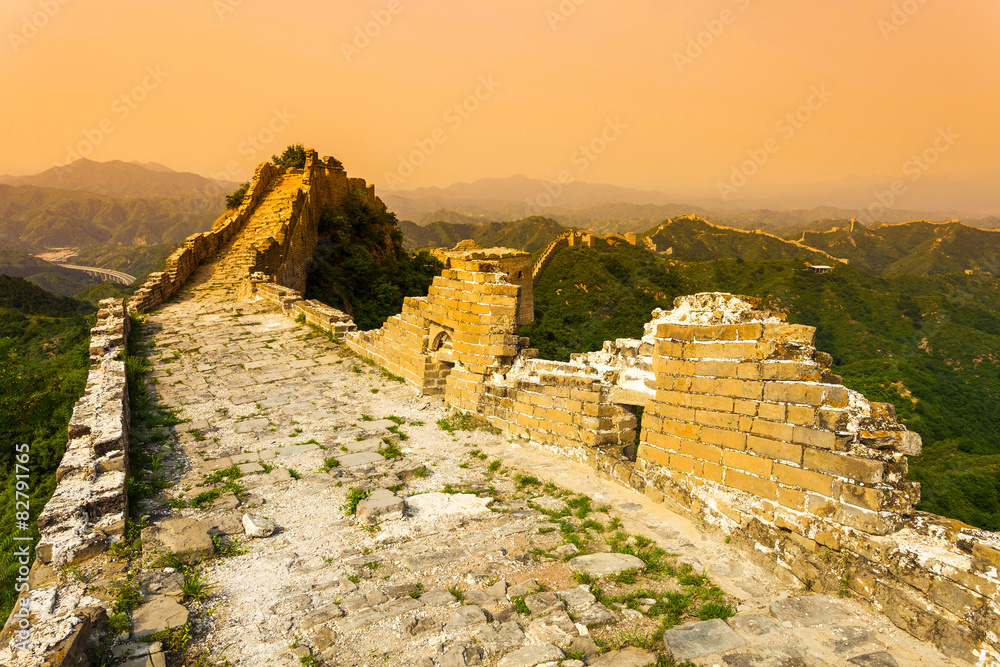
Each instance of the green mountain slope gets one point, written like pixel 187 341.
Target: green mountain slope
pixel 928 344
pixel 360 266
pixel 914 248
pixel 36 218
pixel 124 180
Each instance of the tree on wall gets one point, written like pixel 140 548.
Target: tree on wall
pixel 294 157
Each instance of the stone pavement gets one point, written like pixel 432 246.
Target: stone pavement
pixel 464 547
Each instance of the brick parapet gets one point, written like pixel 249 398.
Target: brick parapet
pixel 87 509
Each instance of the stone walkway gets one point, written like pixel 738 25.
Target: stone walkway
pixel 464 553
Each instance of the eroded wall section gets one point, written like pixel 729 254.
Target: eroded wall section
pixel 742 423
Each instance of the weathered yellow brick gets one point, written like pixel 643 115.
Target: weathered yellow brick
pixel 712 472
pixel 653 455
pixel 715 332
pixel 791 498
pixel 801 415
pixel 746 389
pixel 817 438
pixel 804 479
pixel 773 430
pixel 708 402
pixel 723 438
pixel 667 349
pixel 755 465
pixel 663 441
pixel 702 452
pixel 681 429
pixel 866 471
pixel 790 333
pixel 717 419
pixel 774 449
pixel 682 332
pixel 711 368
pixel 762 488
pixel 750 331
pixel 684 464
pixel 774 411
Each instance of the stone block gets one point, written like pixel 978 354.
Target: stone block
pixel 986 560
pixel 702 638
pixel 774 449
pixel 809 611
pixel 804 479
pixel 762 488
pixel 866 471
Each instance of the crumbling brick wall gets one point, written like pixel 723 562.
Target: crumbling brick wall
pixel 449 341
pixel 277 226
pixel 743 425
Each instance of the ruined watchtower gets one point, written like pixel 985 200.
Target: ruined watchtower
pixel 515 264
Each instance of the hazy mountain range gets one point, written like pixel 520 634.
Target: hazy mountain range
pixel 608 208
pixel 92 203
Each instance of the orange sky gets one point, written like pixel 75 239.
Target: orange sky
pixel 229 69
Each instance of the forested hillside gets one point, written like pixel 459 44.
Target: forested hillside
pixel 44 359
pixel 360 266
pixel 915 248
pixel 929 345
pixel 694 239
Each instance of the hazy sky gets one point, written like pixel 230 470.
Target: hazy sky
pixel 680 91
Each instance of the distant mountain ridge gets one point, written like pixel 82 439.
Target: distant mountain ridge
pixel 530 234
pixel 35 218
pixel 124 180
pixel 611 209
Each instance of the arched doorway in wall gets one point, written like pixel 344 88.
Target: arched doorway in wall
pixel 440 360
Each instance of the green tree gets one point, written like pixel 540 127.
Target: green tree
pixel 234 200
pixel 360 266
pixel 293 157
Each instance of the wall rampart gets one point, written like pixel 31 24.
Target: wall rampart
pixel 198 247
pixel 86 512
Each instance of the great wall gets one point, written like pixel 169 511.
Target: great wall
pixel 721 435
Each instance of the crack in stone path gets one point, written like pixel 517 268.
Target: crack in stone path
pixel 304 424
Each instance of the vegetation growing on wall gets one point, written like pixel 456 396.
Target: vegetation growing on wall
pixel 359 265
